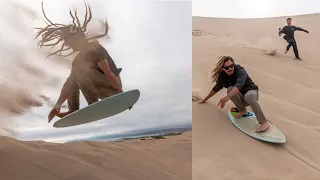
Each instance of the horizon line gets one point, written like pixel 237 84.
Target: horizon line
pixel 269 17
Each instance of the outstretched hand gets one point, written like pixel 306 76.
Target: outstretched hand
pixel 54 112
pixel 202 101
pixel 223 101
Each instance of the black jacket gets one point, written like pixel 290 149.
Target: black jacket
pixel 289 31
pixel 239 79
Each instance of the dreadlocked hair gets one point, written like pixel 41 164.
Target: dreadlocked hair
pixel 55 31
pixel 216 71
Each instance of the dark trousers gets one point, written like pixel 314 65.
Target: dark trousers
pixel 241 101
pixel 292 42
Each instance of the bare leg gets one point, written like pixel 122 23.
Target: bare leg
pixel 94 85
pixel 88 90
pixel 102 86
pixel 73 102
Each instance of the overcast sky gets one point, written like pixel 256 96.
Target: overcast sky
pixel 253 8
pixel 150 40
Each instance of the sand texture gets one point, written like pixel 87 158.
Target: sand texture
pixel 156 159
pixel 289 96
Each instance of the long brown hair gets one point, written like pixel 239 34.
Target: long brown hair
pixel 217 69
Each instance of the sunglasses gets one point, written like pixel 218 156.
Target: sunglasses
pixel 227 67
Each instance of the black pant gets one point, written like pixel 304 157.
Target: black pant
pixel 292 42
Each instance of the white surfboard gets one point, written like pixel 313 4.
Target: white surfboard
pixel 102 109
pixel 249 124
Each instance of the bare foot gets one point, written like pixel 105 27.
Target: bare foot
pixel 241 113
pixel 263 127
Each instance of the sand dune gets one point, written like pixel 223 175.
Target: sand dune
pixel 289 95
pixel 156 159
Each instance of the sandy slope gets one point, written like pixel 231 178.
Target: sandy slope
pixel 289 95
pixel 163 159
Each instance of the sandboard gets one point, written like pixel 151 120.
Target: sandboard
pixel 248 124
pixel 102 109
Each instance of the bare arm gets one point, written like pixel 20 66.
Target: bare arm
pixel 104 66
pixel 65 91
pixel 211 93
pixel 218 86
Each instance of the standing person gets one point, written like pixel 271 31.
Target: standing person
pixel 93 70
pixel 241 89
pixel 288 30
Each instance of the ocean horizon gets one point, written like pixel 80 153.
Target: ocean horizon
pixel 134 134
